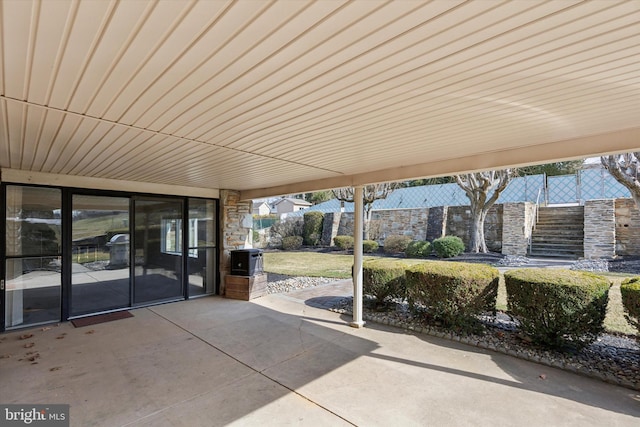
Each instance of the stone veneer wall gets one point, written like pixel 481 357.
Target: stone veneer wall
pixel 408 222
pixel 459 218
pixel 517 222
pixel 627 228
pixel 599 229
pixel 235 228
pixel 415 223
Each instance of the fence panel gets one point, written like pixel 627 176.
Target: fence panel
pixel 562 189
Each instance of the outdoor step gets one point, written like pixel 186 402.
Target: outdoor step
pixel 554 249
pixel 555 255
pixel 557 247
pixel 568 227
pixel 556 220
pixel 558 240
pixel 561 219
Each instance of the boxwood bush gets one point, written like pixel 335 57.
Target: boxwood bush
pixel 448 246
pixel 558 308
pixel 369 246
pixel 343 242
pixel 418 249
pixel 453 293
pixel 396 244
pixel 630 290
pixel 312 228
pixel 383 278
pixel 291 243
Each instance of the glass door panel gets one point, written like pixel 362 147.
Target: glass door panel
pixel 202 250
pixel 100 278
pixel 158 250
pixel 32 269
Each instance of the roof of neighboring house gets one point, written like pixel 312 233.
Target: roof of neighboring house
pixel 298 202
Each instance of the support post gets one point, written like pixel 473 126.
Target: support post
pixel 357 257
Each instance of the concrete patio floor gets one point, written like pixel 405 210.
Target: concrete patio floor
pixel 282 360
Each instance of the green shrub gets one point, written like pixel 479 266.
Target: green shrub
pixel 343 242
pixel 291 243
pixel 448 246
pixel 630 290
pixel 396 244
pixel 383 278
pixel 558 308
pixel 418 249
pixel 312 228
pixel 453 293
pixel 369 246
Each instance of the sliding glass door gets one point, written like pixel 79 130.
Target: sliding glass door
pixel 68 253
pixel 158 247
pixel 100 279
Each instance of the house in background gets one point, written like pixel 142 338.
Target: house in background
pixel 260 207
pixel 288 205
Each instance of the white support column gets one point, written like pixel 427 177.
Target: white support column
pixel 357 257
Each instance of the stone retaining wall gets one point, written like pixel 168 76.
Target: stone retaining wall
pixel 627 228
pixel 612 227
pixel 599 229
pixel 517 223
pixel 426 224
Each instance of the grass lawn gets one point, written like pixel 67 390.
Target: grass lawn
pixel 338 266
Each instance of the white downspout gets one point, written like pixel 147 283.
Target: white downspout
pixel 357 257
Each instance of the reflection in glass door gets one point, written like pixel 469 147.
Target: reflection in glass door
pixel 158 250
pixel 32 270
pixel 100 279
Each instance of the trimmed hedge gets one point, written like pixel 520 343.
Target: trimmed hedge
pixel 291 243
pixel 369 246
pixel 312 228
pixel 343 242
pixel 396 244
pixel 558 308
pixel 453 293
pixel 630 290
pixel 383 278
pixel 418 249
pixel 448 246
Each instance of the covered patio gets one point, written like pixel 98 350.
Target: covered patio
pixel 279 361
pixel 179 113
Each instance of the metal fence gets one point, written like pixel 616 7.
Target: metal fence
pixel 589 184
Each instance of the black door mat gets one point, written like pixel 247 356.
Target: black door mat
pixel 101 318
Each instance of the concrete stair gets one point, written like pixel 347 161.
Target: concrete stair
pixel 559 233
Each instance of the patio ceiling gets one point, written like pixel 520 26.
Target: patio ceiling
pixel 276 97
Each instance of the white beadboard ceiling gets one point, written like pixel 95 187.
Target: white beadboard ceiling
pixel 272 97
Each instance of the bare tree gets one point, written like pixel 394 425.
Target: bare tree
pixel 370 194
pixel 624 168
pixel 477 187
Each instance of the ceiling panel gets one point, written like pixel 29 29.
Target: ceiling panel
pixel 295 95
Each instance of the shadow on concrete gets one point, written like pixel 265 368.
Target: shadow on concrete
pixel 214 361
